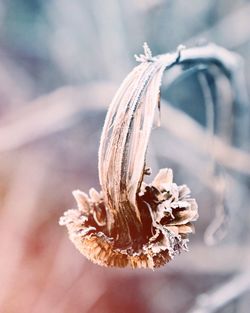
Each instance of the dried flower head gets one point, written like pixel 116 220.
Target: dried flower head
pixel 166 212
pixel 131 223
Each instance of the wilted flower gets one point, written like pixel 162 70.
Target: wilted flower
pixel 166 214
pixel 131 223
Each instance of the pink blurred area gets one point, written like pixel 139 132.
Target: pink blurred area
pixel 60 65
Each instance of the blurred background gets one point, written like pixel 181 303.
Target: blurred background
pixel 60 64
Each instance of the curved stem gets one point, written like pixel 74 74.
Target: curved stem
pixel 129 122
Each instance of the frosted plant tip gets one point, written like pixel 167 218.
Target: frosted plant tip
pixel 147 56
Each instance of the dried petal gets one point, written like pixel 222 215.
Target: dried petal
pixel 82 200
pixel 165 176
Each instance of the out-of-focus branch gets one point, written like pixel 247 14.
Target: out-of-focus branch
pixel 214 300
pixel 196 136
pixel 64 108
pixel 51 113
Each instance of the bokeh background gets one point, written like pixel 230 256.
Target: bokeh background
pixel 60 64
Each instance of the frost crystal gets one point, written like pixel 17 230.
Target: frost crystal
pixel 147 56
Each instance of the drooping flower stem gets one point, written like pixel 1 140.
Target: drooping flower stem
pixel 130 223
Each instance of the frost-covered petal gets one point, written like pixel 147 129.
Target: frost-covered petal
pixel 94 195
pixel 164 176
pixel 82 200
pixel 184 192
